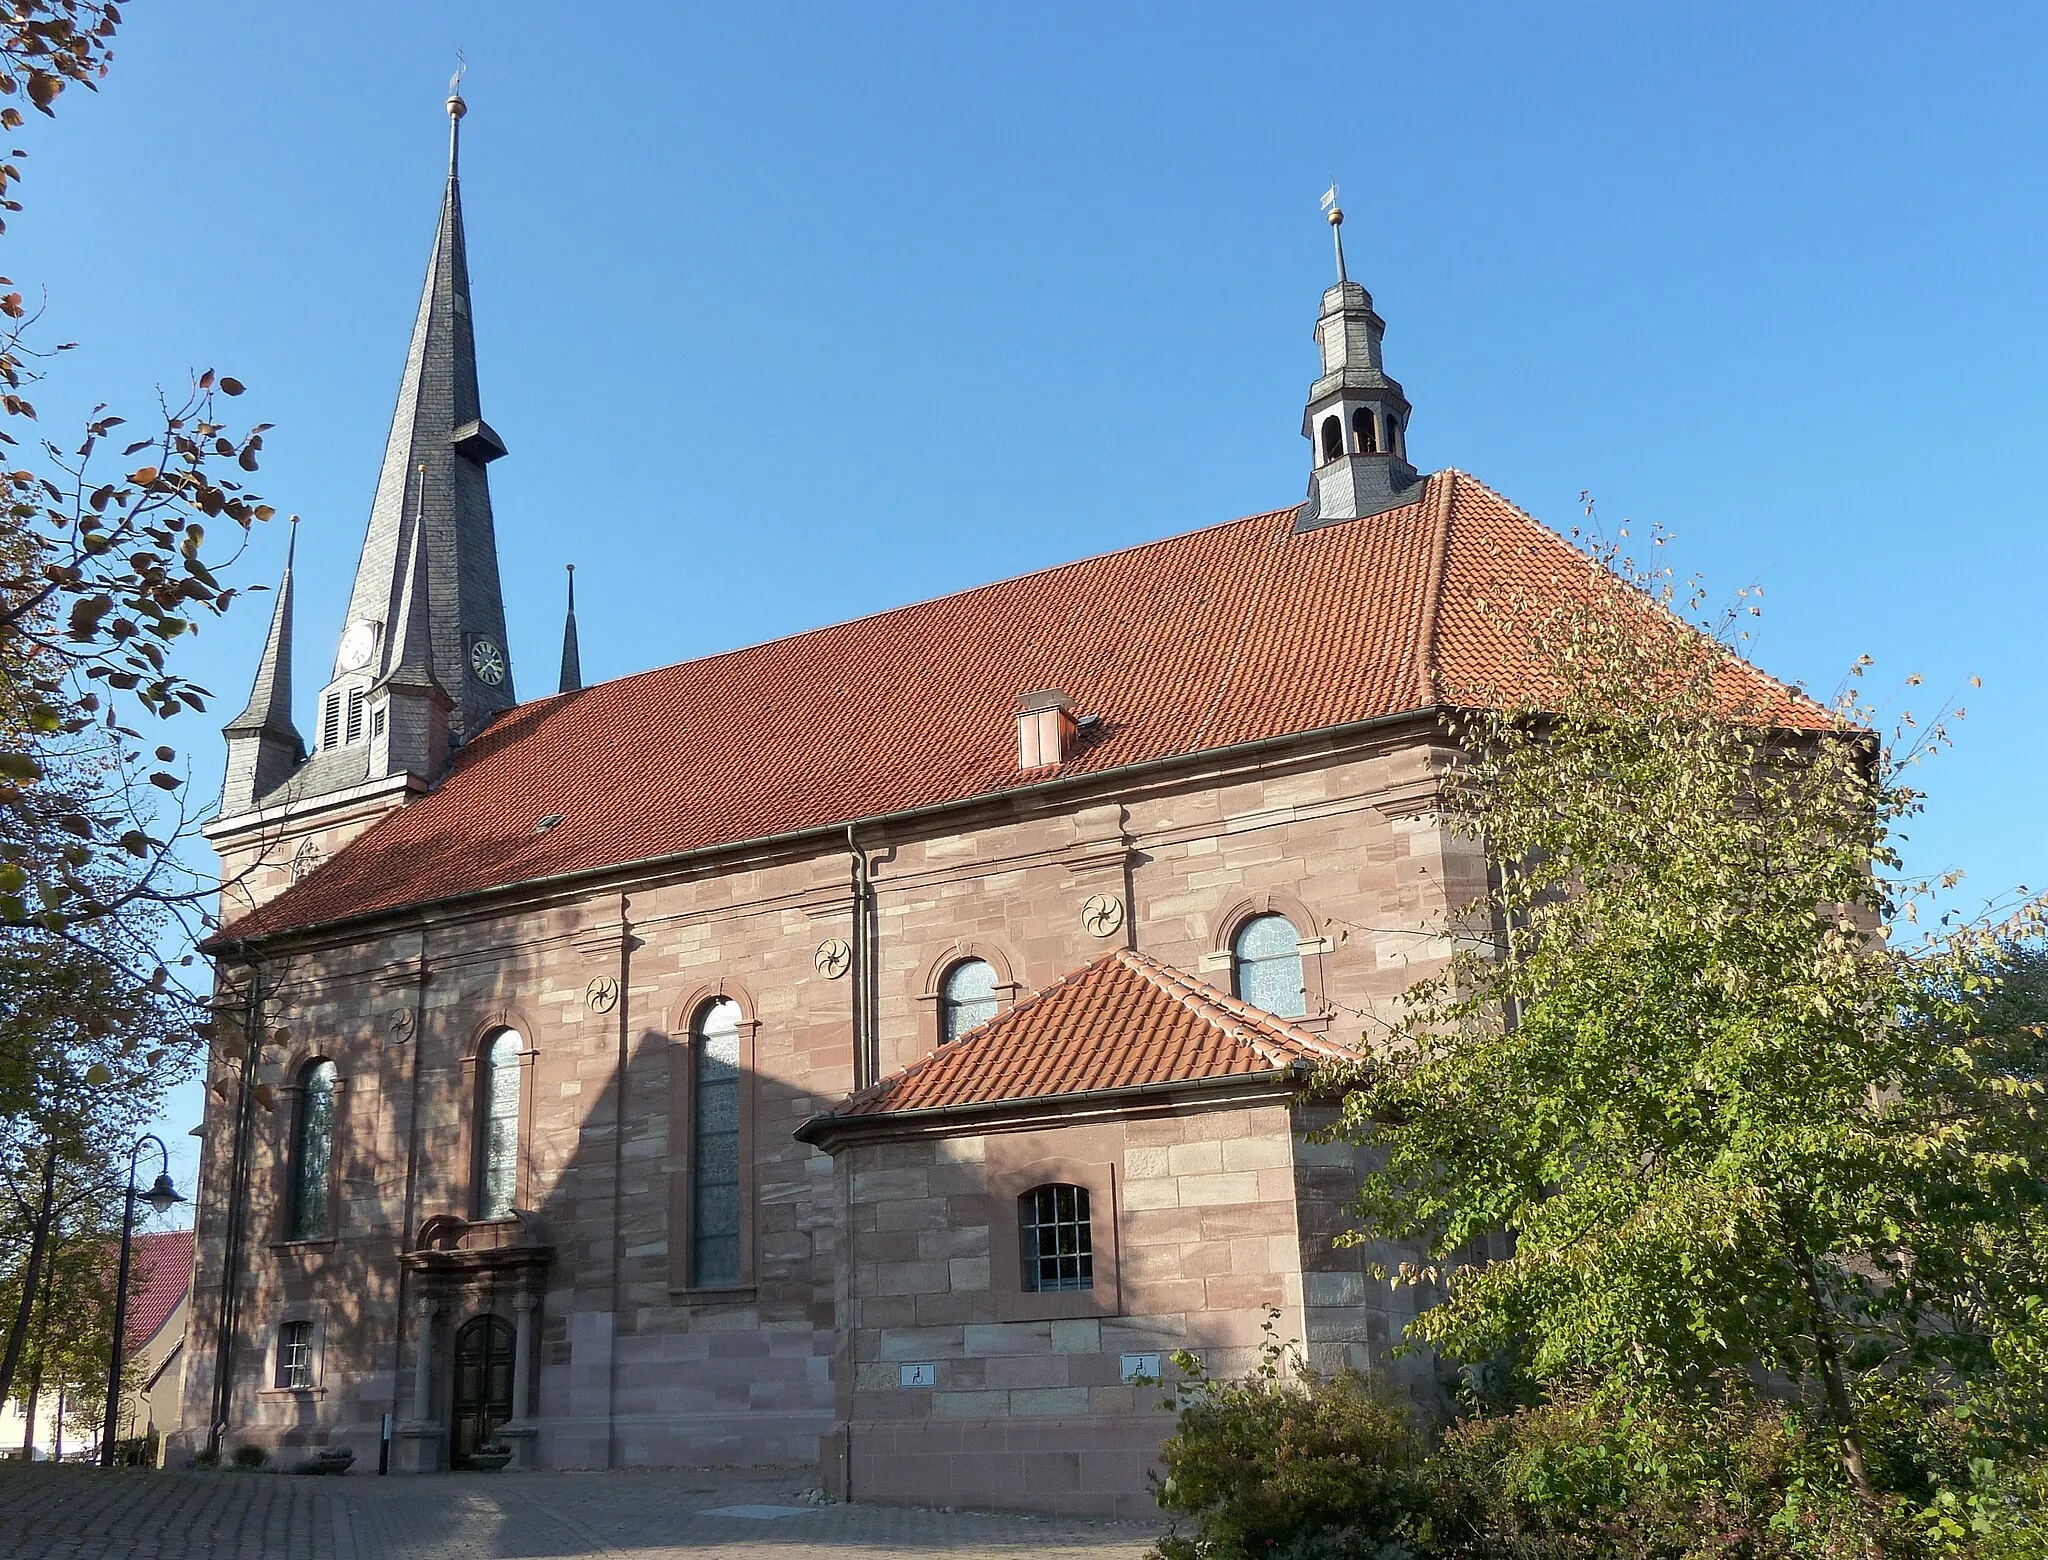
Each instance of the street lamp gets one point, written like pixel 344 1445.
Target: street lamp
pixel 160 1197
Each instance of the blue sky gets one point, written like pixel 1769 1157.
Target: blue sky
pixel 792 312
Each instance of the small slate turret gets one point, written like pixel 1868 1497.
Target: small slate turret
pixel 264 747
pixel 408 707
pixel 572 657
pixel 1356 421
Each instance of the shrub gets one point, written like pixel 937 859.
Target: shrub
pixel 250 1457
pixel 1569 1480
pixel 1284 1465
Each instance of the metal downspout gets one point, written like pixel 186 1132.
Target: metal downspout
pixel 238 1199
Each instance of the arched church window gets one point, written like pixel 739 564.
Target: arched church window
pixel 715 1144
pixel 1362 434
pixel 312 1151
pixel 1393 434
pixel 1333 438
pixel 1266 959
pixel 1059 1242
pixel 498 1106
pixel 967 997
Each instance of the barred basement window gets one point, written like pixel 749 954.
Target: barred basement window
pixel 715 1144
pixel 312 1151
pixel 357 699
pixel 498 1162
pixel 1059 1245
pixel 295 1356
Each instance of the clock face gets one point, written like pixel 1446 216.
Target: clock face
pixel 487 661
pixel 356 645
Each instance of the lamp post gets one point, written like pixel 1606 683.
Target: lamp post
pixel 160 1197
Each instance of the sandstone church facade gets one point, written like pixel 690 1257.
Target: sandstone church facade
pixel 876 1048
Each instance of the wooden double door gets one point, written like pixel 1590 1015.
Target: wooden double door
pixel 483 1385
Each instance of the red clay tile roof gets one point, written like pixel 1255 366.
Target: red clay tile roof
pixel 1125 1021
pixel 159 1273
pixel 1228 635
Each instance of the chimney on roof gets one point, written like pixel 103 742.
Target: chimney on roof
pixel 1045 729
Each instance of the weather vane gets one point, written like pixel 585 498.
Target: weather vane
pixel 1335 215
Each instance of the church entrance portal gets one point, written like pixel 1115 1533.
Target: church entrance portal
pixel 483 1385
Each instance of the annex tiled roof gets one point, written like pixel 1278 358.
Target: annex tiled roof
pixel 1232 634
pixel 159 1273
pixel 1124 1021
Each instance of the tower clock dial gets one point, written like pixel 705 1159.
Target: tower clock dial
pixel 357 642
pixel 487 662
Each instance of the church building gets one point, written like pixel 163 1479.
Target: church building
pixel 876 1049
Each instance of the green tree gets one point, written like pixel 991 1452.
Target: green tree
pixel 105 564
pixel 86 1050
pixel 1734 1117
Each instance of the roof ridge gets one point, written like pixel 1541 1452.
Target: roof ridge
pixel 1024 1004
pixel 1569 546
pixel 1429 688
pixel 1234 1017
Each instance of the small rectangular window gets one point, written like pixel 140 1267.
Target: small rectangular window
pixel 357 700
pixel 295 1356
pixel 330 721
pixel 377 721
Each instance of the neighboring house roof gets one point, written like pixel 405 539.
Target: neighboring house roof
pixel 159 1273
pixel 1224 636
pixel 1123 1022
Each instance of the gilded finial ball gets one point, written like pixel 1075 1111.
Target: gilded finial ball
pixel 1336 216
pixel 456 107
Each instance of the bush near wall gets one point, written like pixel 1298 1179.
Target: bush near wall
pixel 1283 1466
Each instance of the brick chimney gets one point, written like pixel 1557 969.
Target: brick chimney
pixel 1045 729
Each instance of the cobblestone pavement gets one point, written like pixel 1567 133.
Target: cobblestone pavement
pixel 83 1514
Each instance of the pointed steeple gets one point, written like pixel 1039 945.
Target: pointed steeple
pixel 263 744
pixel 434 469
pixel 572 659
pixel 1356 420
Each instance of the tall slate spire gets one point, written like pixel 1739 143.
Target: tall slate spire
pixel 1356 420
pixel 264 747
pixel 434 473
pixel 572 658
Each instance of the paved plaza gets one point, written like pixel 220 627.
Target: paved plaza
pixel 83 1514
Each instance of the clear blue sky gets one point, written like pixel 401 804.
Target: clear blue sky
pixel 793 312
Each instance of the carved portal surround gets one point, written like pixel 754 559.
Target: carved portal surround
pixel 464 1268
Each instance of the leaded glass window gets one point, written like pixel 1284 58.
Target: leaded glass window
pixel 1059 1245
pixel 499 1160
pixel 295 1356
pixel 966 998
pixel 1267 957
pixel 313 1152
pixel 715 1144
